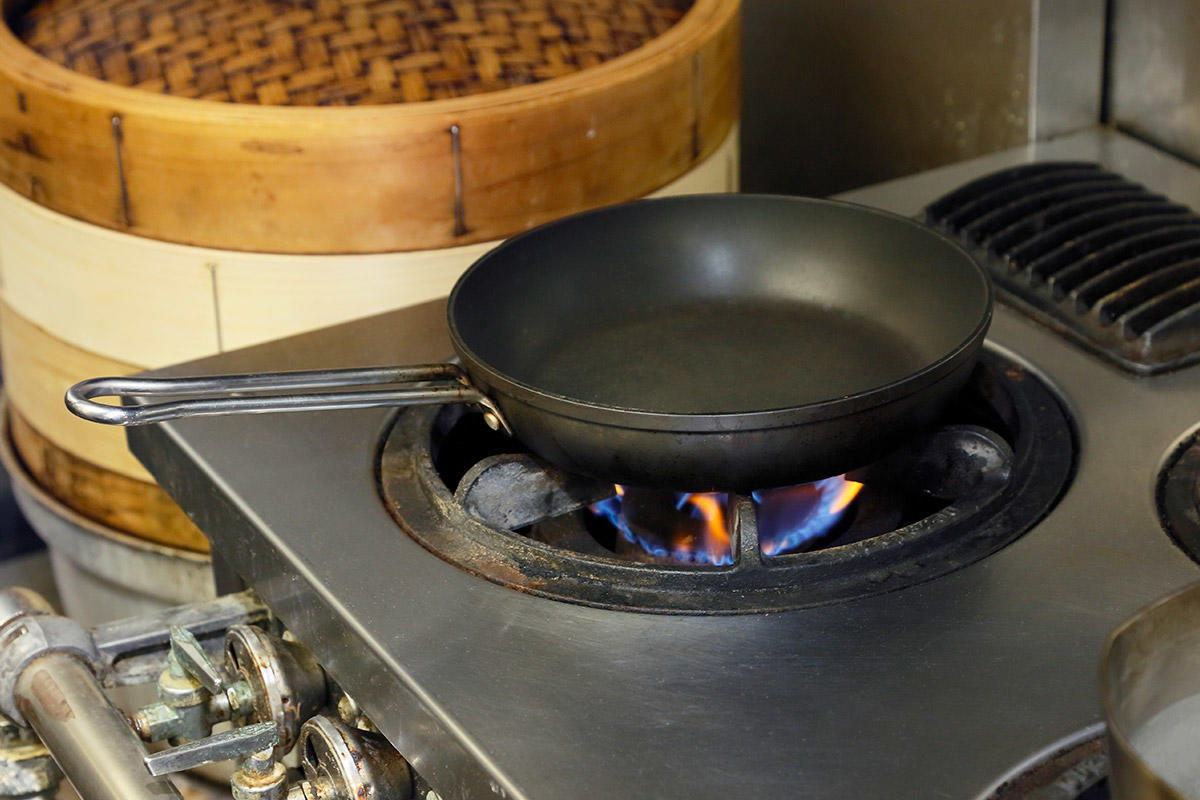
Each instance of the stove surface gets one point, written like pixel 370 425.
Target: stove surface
pixel 933 691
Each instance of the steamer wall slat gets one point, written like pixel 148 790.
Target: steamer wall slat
pixel 122 503
pixel 138 301
pixel 149 303
pixel 38 368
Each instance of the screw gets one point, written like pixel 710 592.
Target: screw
pixel 348 709
pixel 493 422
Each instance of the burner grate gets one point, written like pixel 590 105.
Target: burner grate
pixel 1001 460
pixel 1092 254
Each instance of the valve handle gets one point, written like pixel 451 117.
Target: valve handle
pixel 191 657
pixel 236 743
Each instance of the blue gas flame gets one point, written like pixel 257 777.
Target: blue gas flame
pixel 788 519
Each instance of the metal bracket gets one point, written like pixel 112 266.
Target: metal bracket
pixel 29 633
pixel 134 651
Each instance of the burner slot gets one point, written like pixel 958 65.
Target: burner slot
pixel 1084 244
pixel 1091 291
pixel 1040 233
pixel 980 186
pixel 1009 213
pixel 1161 281
pixel 1178 242
pixel 1075 182
pixel 1166 314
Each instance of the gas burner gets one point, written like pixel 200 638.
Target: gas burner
pixel 1178 496
pixel 998 463
pixel 1074 769
pixel 693 527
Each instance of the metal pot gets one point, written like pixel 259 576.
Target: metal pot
pixel 1150 693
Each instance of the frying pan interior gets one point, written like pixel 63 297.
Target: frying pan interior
pixel 701 306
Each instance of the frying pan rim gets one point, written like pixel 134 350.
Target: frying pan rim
pixel 498 383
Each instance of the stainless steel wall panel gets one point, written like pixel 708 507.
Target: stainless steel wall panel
pixel 1068 66
pixel 841 93
pixel 1155 72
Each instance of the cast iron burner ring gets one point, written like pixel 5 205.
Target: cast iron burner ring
pixel 1074 768
pixel 994 481
pixel 1178 496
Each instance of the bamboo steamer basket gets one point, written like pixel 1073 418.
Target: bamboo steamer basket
pixel 65 306
pixel 145 223
pixel 274 173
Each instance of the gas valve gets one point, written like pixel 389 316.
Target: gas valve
pixel 193 695
pixel 269 687
pixel 344 763
pixel 265 679
pixel 286 685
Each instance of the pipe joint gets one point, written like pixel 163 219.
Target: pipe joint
pixel 29 632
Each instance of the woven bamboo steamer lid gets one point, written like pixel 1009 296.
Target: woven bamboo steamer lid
pixel 370 177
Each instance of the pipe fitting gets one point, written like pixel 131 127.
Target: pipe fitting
pixel 30 631
pixel 18 601
pixel 260 777
pixel 26 767
pixel 90 739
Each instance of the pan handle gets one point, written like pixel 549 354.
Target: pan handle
pixel 221 394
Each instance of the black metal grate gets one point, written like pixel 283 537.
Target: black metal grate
pixel 1089 252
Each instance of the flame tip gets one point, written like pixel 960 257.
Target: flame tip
pixel 800 514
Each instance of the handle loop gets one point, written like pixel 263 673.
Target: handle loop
pixel 223 394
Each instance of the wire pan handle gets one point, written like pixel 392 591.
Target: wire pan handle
pixel 222 394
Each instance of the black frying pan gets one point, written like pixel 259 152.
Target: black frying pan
pixel 725 342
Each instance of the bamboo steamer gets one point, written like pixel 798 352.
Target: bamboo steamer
pixel 378 176
pixel 146 219
pixel 146 303
pixel 67 313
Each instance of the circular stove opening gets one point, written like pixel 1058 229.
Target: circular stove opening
pixel 1178 496
pixel 999 460
pixel 1075 768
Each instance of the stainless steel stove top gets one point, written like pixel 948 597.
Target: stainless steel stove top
pixel 933 691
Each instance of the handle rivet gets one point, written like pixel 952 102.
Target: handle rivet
pixel 491 420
